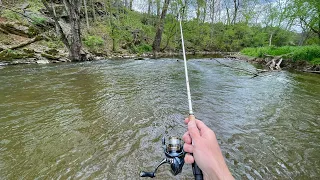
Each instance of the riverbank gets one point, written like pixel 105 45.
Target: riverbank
pixel 286 64
pixel 301 58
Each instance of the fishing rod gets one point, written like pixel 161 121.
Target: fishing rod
pixel 174 150
pixel 195 168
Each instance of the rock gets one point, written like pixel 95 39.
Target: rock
pixel 48 56
pixel 53 52
pixel 139 58
pixel 12 54
pixel 25 5
pixel 64 60
pixel 98 58
pixel 3 64
pixel 43 61
pixel 28 51
pixel 16 28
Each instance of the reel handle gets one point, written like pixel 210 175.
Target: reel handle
pixel 195 168
pixel 147 174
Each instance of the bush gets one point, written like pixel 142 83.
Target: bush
pixel 141 48
pixel 144 48
pixel 316 61
pixel 93 41
pixel 296 53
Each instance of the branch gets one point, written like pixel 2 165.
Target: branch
pixel 312 29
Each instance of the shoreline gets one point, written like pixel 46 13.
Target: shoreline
pixel 115 56
pixel 286 64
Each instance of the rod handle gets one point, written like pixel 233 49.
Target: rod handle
pixel 192 117
pixel 195 168
pixel 147 174
pixel 197 172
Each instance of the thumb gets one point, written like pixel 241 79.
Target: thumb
pixel 193 129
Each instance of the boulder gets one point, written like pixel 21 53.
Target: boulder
pixel 43 61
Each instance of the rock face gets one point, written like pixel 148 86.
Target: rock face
pixel 17 29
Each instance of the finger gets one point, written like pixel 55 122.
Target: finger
pixel 188 148
pixel 186 138
pixel 186 120
pixel 188 158
pixel 201 126
pixel 193 130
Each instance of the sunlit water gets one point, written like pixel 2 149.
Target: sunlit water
pixel 105 119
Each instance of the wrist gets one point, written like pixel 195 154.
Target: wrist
pixel 218 171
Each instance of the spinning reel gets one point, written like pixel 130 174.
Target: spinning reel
pixel 174 156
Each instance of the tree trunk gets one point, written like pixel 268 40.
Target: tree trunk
pixel 86 13
pixel 93 11
pixel 158 37
pixel 158 7
pixel 149 7
pixel 205 11
pixel 130 5
pixel 236 8
pixel 76 44
pixel 212 16
pixel 270 39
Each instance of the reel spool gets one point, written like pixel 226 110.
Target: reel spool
pixel 174 156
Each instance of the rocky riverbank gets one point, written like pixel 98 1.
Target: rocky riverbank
pixel 270 63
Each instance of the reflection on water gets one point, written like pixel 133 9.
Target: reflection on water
pixel 105 119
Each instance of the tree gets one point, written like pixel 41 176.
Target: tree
pixel 159 30
pixel 74 45
pixel 86 13
pixel 308 13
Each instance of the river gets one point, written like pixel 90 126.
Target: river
pixel 105 119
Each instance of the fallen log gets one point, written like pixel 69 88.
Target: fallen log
pixel 33 40
pixel 316 72
pixel 278 65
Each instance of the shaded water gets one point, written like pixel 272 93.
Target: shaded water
pixel 105 119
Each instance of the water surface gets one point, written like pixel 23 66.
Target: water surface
pixel 105 119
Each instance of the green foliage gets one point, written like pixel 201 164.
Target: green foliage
pixel 142 49
pixel 13 54
pixel 316 61
pixel 54 44
pixel 308 53
pixel 93 41
pixel 38 20
pixel 296 53
pixel 10 15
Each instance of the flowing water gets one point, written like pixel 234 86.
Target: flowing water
pixel 105 119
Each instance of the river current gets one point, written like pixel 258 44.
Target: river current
pixel 105 119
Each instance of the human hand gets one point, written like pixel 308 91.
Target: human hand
pixel 202 142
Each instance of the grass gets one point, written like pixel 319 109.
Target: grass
pixel 295 53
